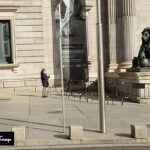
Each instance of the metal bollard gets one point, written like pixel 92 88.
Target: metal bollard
pixel 122 101
pixel 108 98
pixel 112 102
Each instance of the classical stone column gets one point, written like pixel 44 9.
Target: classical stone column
pixel 112 35
pixel 91 30
pixel 129 33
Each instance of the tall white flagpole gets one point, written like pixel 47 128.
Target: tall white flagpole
pixel 61 68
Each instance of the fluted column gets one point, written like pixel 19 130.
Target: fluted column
pixel 129 33
pixel 112 35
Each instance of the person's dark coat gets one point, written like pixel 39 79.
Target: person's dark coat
pixel 44 79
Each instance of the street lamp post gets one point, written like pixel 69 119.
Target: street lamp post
pixel 100 60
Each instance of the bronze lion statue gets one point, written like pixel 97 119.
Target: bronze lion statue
pixel 143 59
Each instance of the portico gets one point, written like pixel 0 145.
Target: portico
pixel 124 43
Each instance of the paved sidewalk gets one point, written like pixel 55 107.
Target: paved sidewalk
pixel 42 118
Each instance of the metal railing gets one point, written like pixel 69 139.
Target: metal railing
pixel 80 88
pixel 114 92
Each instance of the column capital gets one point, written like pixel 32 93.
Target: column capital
pixel 112 11
pixel 129 8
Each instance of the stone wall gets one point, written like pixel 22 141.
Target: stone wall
pixel 24 84
pixel 28 35
pixel 34 43
pixel 32 46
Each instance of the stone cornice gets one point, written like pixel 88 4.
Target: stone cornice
pixel 7 66
pixel 87 8
pixel 8 8
pixel 126 8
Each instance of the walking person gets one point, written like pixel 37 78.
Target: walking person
pixel 45 82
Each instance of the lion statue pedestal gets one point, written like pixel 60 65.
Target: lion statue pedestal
pixel 134 85
pixel 137 85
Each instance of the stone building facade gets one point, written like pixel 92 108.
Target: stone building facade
pixel 126 20
pixel 30 40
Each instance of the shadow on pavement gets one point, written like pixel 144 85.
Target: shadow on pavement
pixel 5 99
pixel 38 123
pixel 31 127
pixel 62 136
pixel 89 130
pixel 123 135
pixel 148 125
pixel 31 95
pixel 27 95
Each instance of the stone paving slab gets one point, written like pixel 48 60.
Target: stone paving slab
pixel 42 118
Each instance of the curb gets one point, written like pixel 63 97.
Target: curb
pixel 80 142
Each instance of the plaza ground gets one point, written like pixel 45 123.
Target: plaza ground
pixel 42 118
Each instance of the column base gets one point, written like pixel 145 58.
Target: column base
pixel 112 68
pixel 124 66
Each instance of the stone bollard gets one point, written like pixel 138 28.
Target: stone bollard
pixel 139 131
pixel 76 132
pixel 19 133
